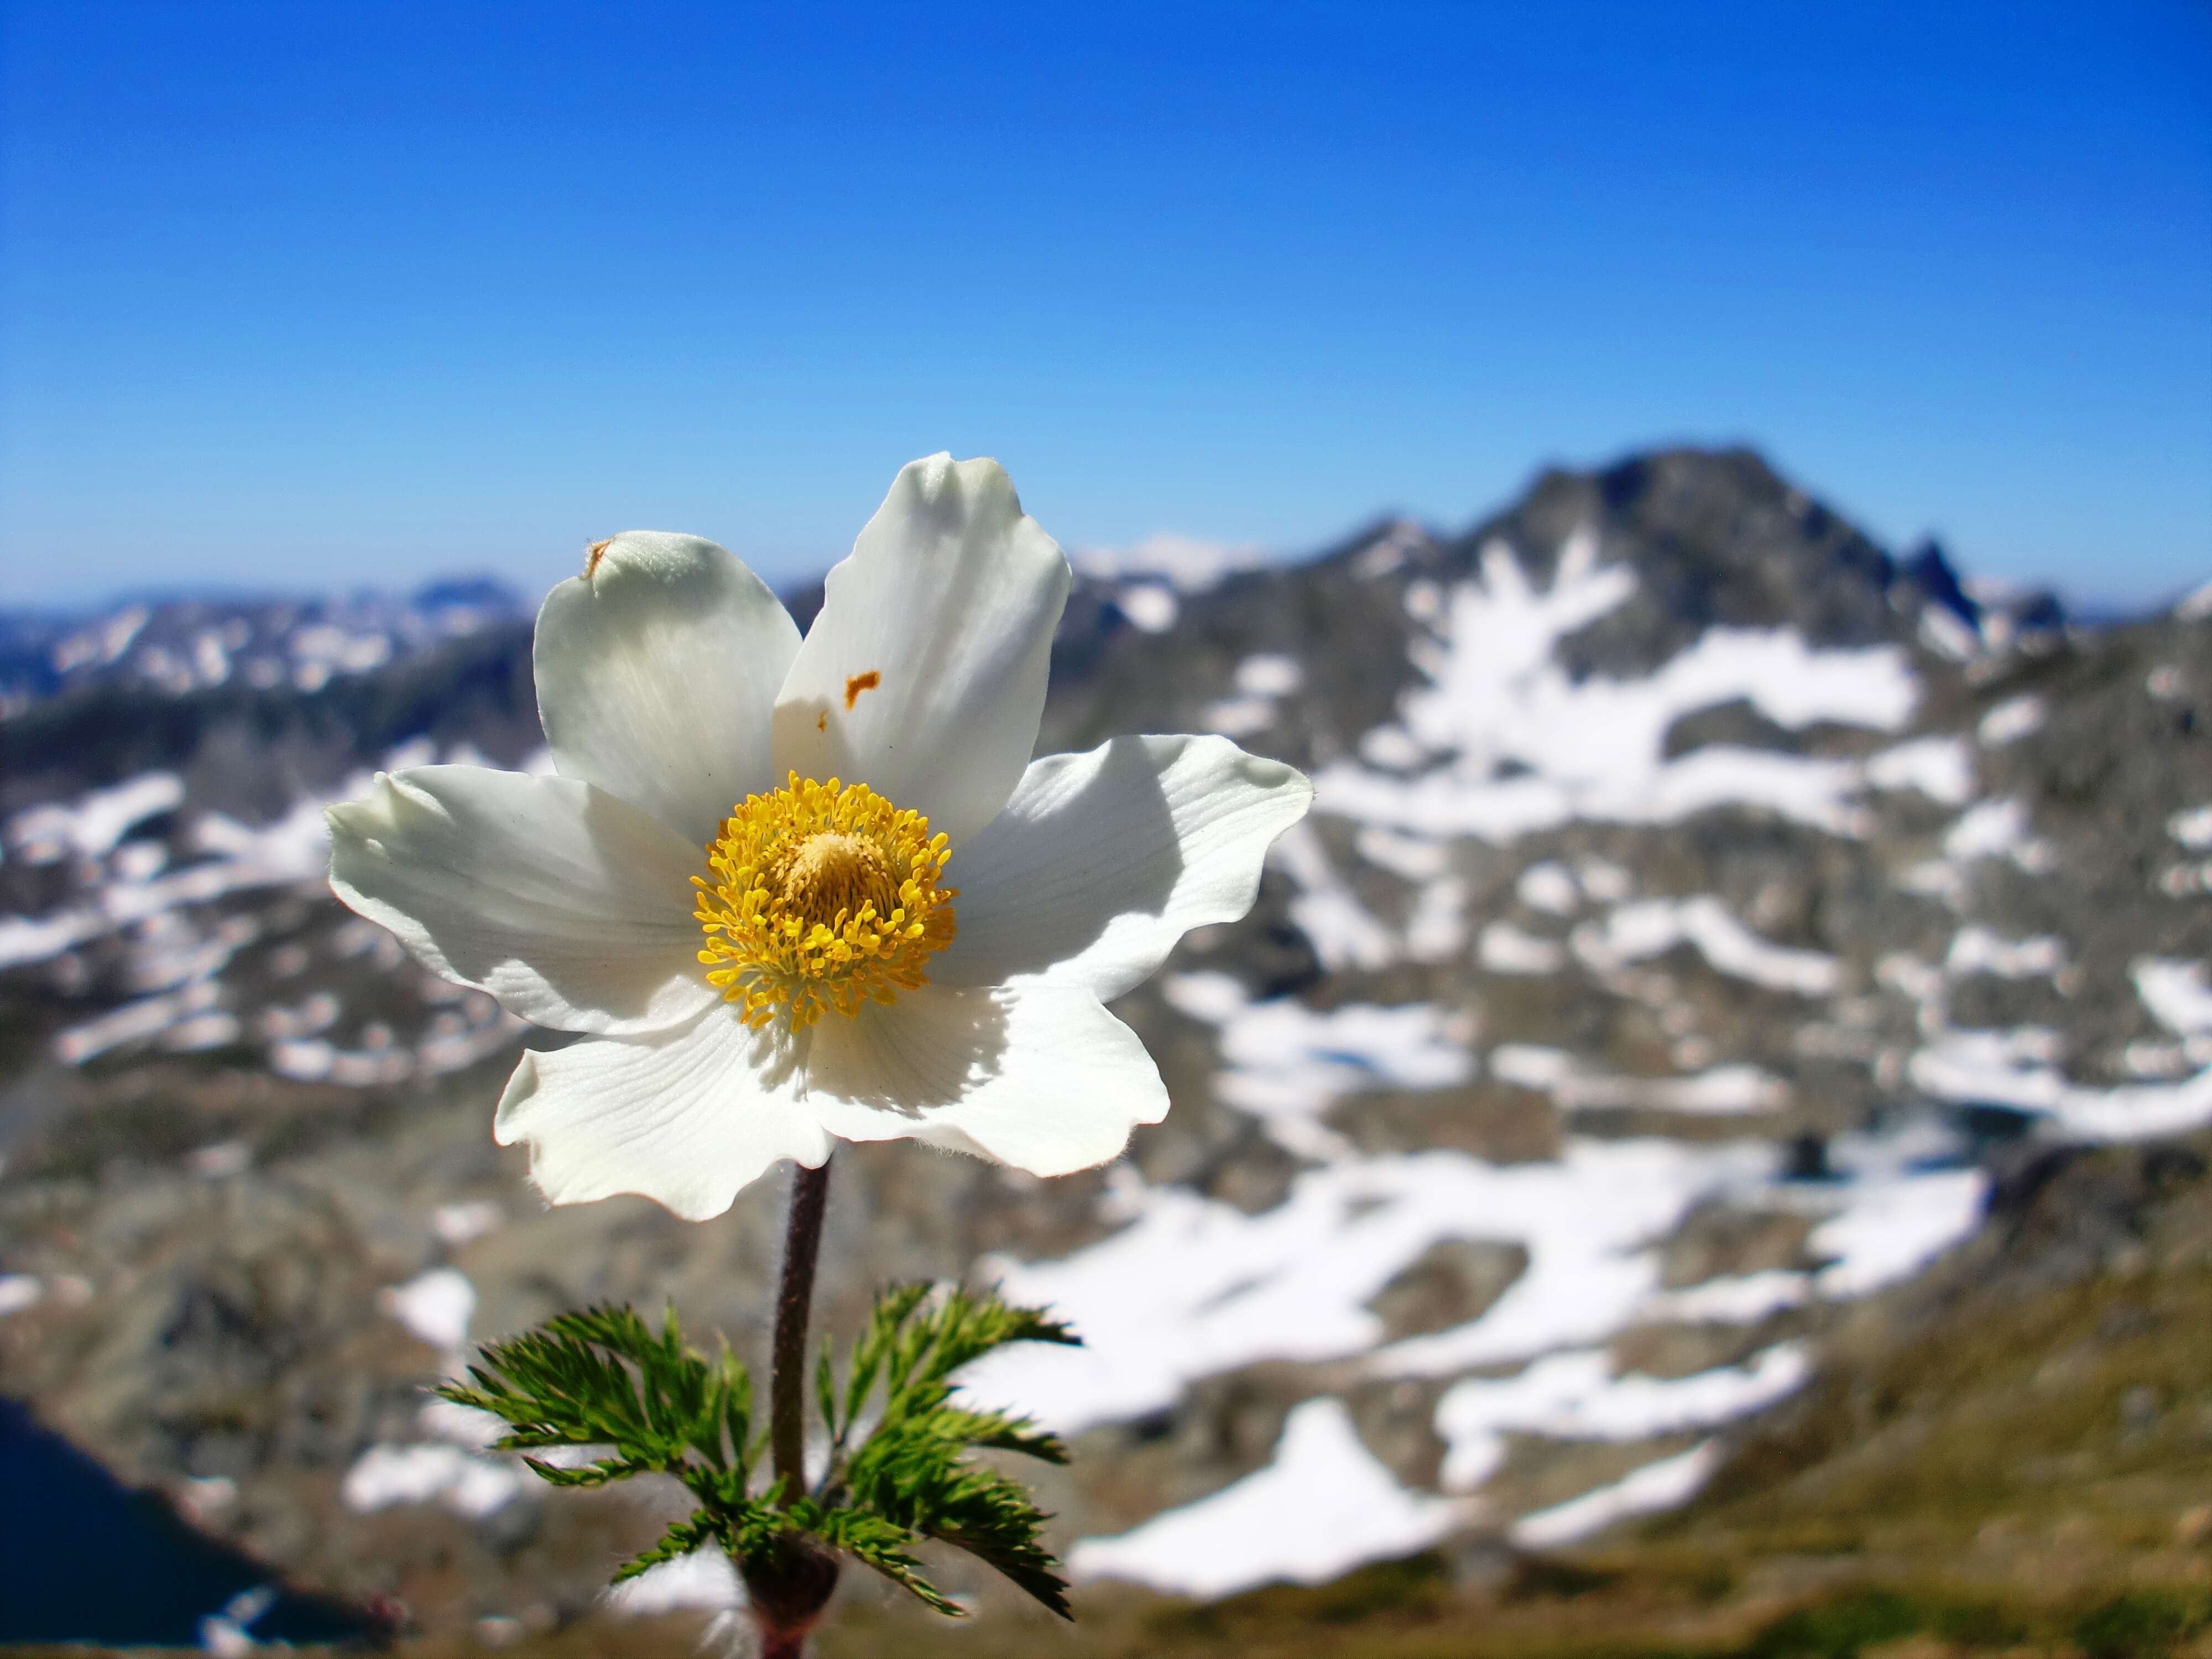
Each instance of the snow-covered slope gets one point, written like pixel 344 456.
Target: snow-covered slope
pixel 1694 895
pixel 173 646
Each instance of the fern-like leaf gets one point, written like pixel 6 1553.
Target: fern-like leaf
pixel 912 1473
pixel 586 1474
pixel 681 1539
pixel 882 1545
pixel 603 1377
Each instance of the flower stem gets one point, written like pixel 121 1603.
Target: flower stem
pixel 810 1193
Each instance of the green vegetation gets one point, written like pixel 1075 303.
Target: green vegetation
pixel 1406 1610
pixel 601 1379
pixel 2141 1624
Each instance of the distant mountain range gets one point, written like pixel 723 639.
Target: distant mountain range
pixel 177 646
pixel 1703 910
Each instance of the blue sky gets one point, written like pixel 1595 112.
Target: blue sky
pixel 339 295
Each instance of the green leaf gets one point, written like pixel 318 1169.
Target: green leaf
pixel 736 1401
pixel 588 1474
pixel 892 1309
pixel 754 1530
pixel 825 1393
pixel 681 1539
pixel 601 1377
pixel 993 1518
pixel 912 1474
pixel 882 1546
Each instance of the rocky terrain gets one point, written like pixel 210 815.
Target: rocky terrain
pixel 1708 921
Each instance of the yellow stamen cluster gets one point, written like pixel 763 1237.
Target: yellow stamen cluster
pixel 823 895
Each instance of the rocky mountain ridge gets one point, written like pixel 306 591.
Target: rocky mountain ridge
pixel 1696 896
pixel 173 646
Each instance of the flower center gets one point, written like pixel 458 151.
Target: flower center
pixel 822 895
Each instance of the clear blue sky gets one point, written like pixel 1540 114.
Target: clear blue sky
pixel 307 295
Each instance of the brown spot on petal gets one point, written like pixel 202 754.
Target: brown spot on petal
pixel 858 684
pixel 821 721
pixel 598 551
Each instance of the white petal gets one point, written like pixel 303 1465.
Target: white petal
pixel 686 1116
pixel 1037 1076
pixel 949 600
pixel 572 908
pixel 1102 861
pixel 657 675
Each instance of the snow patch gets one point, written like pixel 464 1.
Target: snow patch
pixel 1436 926
pixel 435 1306
pixel 1414 858
pixel 134 1022
pixel 1665 1485
pixel 1269 674
pixel 1650 928
pixel 1530 749
pixel 704 1580
pixel 1731 1299
pixel 1190 1287
pixel 1392 746
pixel 1284 1057
pixel 457 1224
pixel 1151 607
pixel 294 848
pixel 1188 563
pixel 1578 1396
pixel 462 1481
pixel 1193 1286
pixel 1259 684
pixel 91 828
pixel 41 938
pixel 1892 1227
pixel 1997 829
pixel 1549 885
pixel 1238 717
pixel 1323 1506
pixel 1948 635
pixel 1286 1063
pixel 2176 993
pixel 1979 950
pixel 2011 720
pixel 1979 1067
pixel 1343 931
pixel 1723 1091
pixel 1505 949
pixel 1940 768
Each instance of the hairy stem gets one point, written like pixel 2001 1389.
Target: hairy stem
pixel 809 1194
pixel 789 1587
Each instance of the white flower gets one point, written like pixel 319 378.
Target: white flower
pixel 797 890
